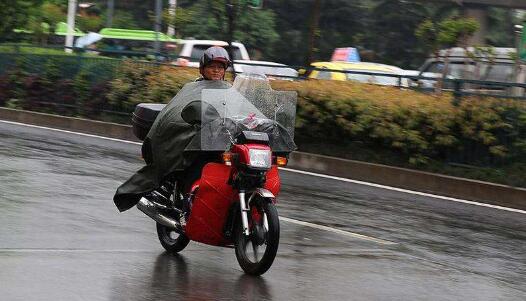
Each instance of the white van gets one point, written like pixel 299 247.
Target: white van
pixel 190 51
pixel 497 64
pixel 494 64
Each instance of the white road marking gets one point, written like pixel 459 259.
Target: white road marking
pixel 29 250
pixel 70 132
pixel 308 173
pixel 405 191
pixel 334 230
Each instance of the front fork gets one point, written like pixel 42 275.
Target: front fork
pixel 244 212
pixel 245 209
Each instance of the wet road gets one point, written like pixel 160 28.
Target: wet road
pixel 61 238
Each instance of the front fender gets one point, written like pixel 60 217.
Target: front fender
pixel 265 194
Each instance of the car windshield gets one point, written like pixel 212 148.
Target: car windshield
pixel 490 72
pixel 269 70
pixel 324 75
pixel 372 79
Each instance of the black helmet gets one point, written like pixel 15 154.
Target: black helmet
pixel 214 54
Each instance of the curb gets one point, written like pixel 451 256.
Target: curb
pixel 485 192
pixel 106 129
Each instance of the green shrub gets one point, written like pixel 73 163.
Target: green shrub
pixel 416 126
pixel 147 83
pixel 485 138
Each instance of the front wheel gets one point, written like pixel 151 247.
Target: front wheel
pixel 171 241
pixel 255 253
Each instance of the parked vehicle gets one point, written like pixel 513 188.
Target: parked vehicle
pixel 365 67
pixel 485 64
pixel 250 128
pixel 270 69
pixel 428 79
pixel 190 51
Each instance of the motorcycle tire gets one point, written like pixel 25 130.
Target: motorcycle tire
pixel 171 241
pixel 251 263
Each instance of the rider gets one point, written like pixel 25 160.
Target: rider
pixel 212 66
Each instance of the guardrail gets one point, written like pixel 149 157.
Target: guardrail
pixel 113 58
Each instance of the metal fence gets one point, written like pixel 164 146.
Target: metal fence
pixel 53 63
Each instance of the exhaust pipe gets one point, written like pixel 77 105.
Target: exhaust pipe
pixel 150 209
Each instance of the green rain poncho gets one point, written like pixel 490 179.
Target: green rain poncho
pixel 171 144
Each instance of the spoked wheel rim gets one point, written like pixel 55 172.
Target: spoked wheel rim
pixel 255 245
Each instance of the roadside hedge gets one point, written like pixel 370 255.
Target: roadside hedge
pixel 481 138
pixel 417 126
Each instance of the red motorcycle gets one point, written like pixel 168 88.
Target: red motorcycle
pixel 251 127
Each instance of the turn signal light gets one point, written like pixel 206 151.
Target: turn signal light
pixel 227 158
pixel 281 161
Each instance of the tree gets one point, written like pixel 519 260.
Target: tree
pixel 44 20
pixel 254 27
pixel 314 32
pixel 501 29
pixel 390 31
pixel 15 14
pixel 341 24
pixel 182 18
pixel 121 19
pixel 292 20
pixel 445 34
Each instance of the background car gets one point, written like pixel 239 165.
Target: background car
pixel 493 64
pixel 376 78
pixel 190 51
pixel 428 80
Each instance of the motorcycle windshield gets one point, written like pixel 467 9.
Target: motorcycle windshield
pixel 250 105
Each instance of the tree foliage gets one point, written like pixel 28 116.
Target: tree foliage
pixel 254 27
pixel 454 31
pixel 383 30
pixel 14 14
pixel 446 33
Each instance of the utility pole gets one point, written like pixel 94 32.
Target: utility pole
pixel 171 11
pixel 72 8
pixel 109 20
pixel 158 12
pixel 519 75
pixel 231 13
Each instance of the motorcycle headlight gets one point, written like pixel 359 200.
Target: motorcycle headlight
pixel 260 158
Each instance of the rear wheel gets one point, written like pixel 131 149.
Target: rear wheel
pixel 171 241
pixel 255 253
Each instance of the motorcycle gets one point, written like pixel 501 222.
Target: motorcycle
pixel 233 203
